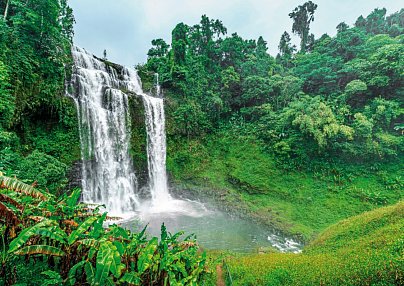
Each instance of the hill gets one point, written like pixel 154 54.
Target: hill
pixel 366 249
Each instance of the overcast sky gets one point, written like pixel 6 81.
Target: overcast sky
pixel 125 28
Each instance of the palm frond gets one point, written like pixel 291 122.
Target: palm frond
pixel 27 233
pixel 83 227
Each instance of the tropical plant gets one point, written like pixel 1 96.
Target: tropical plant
pixel 78 249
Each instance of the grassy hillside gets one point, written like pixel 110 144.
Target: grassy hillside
pixel 366 249
pixel 239 174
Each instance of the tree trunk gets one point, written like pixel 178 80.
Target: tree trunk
pixel 6 10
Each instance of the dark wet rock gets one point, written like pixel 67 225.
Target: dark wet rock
pixel 74 176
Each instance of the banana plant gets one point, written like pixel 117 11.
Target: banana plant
pixel 16 185
pixel 82 250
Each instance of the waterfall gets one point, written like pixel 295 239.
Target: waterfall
pixel 100 93
pixel 156 149
pixel 104 127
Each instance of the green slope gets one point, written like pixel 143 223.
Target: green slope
pixel 367 249
pixel 237 173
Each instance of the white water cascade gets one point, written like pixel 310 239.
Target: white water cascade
pixel 156 149
pixel 104 127
pixel 102 103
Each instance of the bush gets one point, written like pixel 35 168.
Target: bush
pixel 45 170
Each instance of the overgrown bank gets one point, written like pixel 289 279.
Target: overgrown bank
pixel 362 250
pixel 38 124
pixel 236 173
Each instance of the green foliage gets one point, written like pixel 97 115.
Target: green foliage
pixel 377 22
pixel 237 171
pixel 45 170
pixel 355 92
pixel 6 100
pixel 285 89
pixel 315 96
pixel 16 185
pixel 316 121
pixel 76 249
pixel 286 50
pixel 43 43
pixel 362 250
pixel 190 119
pixel 36 118
pixel 26 234
pixel 319 72
pixel 53 278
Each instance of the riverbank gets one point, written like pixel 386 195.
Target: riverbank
pixel 236 175
pixel 363 250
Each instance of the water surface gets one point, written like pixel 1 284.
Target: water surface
pixel 214 230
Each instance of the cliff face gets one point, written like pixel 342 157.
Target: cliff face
pixel 138 144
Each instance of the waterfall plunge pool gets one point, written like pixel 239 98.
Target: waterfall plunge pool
pixel 214 230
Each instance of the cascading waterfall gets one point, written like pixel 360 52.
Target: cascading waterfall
pixel 104 126
pixel 156 149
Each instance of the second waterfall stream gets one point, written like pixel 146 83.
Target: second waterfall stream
pixel 101 96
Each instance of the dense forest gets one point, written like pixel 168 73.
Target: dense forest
pixel 296 142
pixel 334 98
pixel 37 121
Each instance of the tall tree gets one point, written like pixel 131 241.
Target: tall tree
pixel 179 43
pixel 310 43
pixel 286 50
pixel 302 16
pixel 262 47
pixel 342 27
pixel 160 48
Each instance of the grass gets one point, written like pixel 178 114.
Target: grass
pixel 367 249
pixel 236 171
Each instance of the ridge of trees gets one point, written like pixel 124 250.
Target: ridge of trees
pixel 338 97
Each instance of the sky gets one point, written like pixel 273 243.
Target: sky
pixel 125 28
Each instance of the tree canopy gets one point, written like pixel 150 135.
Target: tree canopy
pixel 320 95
